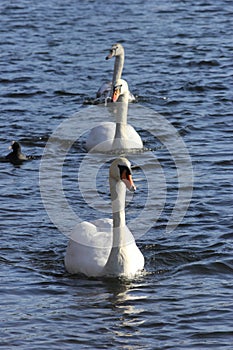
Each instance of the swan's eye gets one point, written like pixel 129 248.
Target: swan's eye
pixel 113 50
pixel 117 87
pixel 124 170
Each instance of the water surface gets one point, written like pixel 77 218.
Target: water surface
pixel 179 64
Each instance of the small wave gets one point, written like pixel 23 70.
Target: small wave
pixel 210 268
pixel 23 94
pixel 15 80
pixel 209 63
pixel 64 93
pixel 192 86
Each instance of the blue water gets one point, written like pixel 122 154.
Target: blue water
pixel 178 61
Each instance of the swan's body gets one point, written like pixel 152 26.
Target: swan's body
pixel 105 91
pixel 101 138
pixel 106 247
pixel 110 136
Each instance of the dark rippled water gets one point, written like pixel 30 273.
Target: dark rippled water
pixel 179 64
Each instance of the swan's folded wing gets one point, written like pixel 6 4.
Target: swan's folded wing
pixel 133 137
pixel 101 136
pixel 97 233
pixel 104 89
pixel 89 248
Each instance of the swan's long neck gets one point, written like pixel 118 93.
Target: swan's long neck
pixel 115 265
pixel 118 192
pixel 118 67
pixel 121 121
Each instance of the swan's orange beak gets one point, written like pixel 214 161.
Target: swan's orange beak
pixel 116 94
pixel 110 55
pixel 128 180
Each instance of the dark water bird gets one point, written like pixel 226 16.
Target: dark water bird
pixel 16 156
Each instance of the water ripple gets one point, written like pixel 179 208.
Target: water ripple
pixel 178 61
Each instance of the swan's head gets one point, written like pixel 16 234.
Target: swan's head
pixel 116 50
pixel 120 170
pixel 120 88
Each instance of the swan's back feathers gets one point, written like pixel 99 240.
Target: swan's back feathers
pixel 89 247
pixel 102 133
pixel 104 90
pixel 100 138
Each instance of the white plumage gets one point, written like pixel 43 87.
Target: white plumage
pixel 106 247
pixel 109 136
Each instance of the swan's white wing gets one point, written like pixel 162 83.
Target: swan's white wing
pixel 133 256
pixel 101 135
pixel 134 139
pixel 104 90
pixel 89 247
pixel 131 97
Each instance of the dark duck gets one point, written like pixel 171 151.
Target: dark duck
pixel 16 156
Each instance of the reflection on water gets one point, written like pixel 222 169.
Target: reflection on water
pixel 126 298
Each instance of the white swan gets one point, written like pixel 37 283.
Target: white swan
pixel 110 136
pixel 106 247
pixel 105 91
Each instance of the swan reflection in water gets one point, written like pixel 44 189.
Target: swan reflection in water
pixel 126 299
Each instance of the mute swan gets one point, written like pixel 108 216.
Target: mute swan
pixel 106 247
pixel 110 136
pixel 105 91
pixel 16 156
